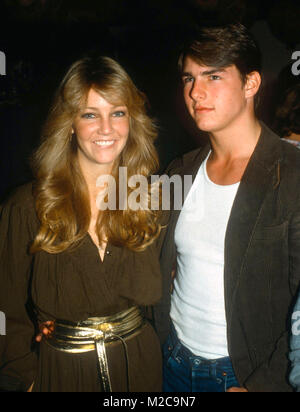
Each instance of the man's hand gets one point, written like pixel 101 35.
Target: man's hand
pixel 234 389
pixel 31 387
pixel 46 330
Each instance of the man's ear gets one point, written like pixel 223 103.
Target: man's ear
pixel 252 85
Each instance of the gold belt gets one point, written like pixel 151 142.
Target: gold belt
pixel 94 334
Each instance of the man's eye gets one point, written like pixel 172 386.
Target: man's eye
pixel 187 79
pixel 215 77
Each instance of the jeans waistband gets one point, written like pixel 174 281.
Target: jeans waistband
pixel 186 354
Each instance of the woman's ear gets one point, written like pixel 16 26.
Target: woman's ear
pixel 252 85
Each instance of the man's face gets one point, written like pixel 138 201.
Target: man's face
pixel 215 98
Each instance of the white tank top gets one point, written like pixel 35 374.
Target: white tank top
pixel 197 304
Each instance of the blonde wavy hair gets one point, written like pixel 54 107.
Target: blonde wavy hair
pixel 60 191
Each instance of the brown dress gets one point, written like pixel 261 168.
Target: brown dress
pixel 73 285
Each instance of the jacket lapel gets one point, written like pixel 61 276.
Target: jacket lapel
pixel 259 176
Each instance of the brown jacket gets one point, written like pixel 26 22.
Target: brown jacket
pixel 262 261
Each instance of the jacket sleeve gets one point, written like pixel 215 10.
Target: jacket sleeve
pixel 17 359
pixel 268 371
pixel 295 348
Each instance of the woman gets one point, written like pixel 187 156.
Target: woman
pixel 64 259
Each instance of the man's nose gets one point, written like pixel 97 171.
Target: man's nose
pixel 198 91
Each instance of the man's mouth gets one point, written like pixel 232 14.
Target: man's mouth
pixel 202 109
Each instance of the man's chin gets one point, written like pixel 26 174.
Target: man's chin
pixel 205 127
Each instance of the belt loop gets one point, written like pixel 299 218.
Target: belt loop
pixel 213 369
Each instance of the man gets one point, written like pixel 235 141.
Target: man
pixel 236 241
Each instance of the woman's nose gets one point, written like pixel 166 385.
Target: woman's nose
pixel 105 126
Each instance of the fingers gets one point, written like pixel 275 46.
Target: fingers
pixel 234 389
pixel 47 326
pixel 31 387
pixel 46 330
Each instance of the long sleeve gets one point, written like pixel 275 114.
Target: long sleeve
pixel 18 361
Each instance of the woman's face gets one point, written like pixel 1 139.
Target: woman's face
pixel 101 130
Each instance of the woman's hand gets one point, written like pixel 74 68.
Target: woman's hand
pixel 46 330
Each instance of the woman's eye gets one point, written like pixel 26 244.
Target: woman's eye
pixel 119 113
pixel 88 115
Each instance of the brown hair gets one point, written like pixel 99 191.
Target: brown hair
pixel 60 190
pixel 223 46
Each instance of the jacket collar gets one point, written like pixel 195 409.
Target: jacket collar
pixel 192 161
pixel 267 152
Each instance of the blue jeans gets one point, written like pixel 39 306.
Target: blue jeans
pixel 185 372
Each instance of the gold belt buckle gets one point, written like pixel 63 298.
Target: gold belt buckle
pixel 104 327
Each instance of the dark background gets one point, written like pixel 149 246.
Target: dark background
pixel 41 38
